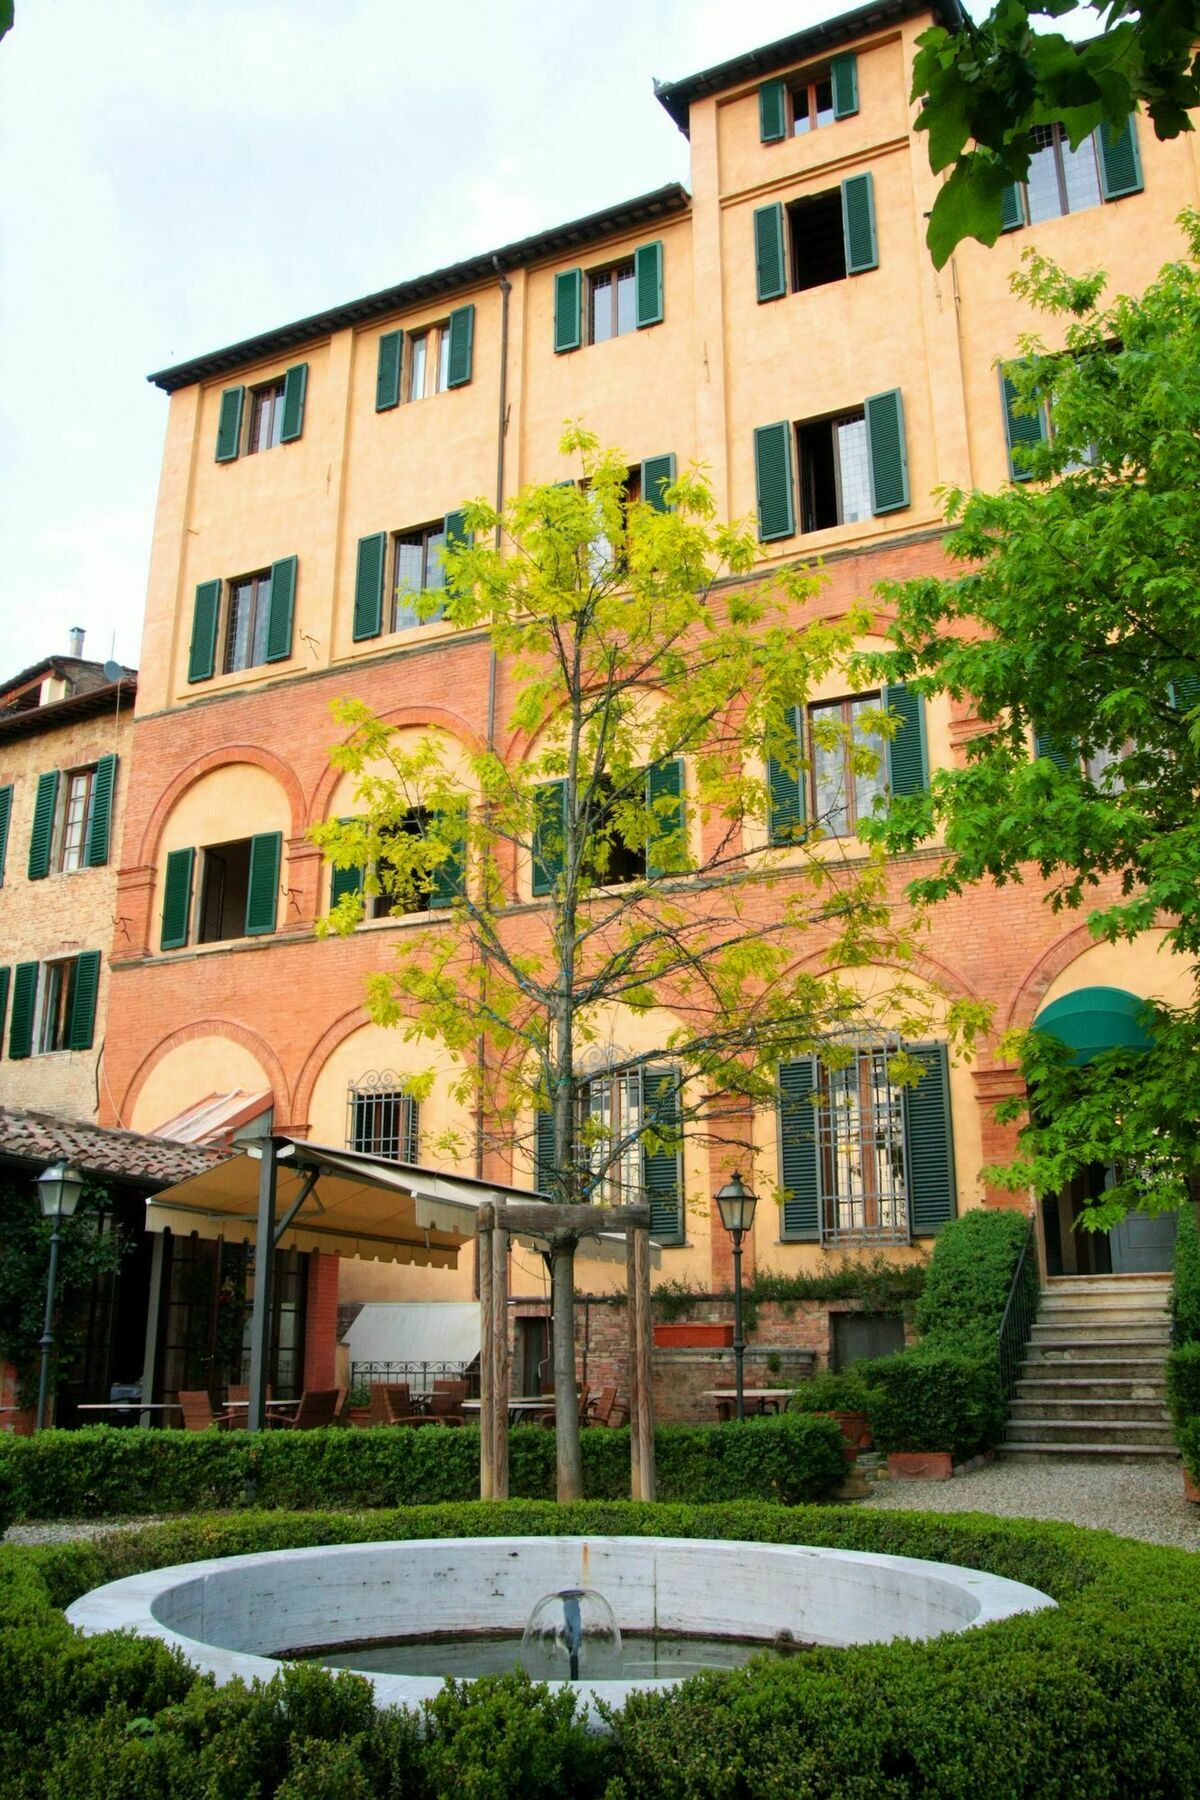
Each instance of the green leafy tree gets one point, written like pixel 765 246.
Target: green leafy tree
pixel 88 1250
pixel 632 658
pixel 1073 625
pixel 985 88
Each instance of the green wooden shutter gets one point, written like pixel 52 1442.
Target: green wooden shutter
pixel 1021 429
pixel 462 346
pixel 81 1026
pixel 543 1153
pixel 666 845
pixel 1120 162
pixel 843 72
pixel 1183 694
pixel 387 373
pixel 772 111
pixel 770 260
pixel 549 835
pixel 888 457
pixel 456 529
pixel 295 388
pixel 99 830
pixel 568 310
pixel 368 586
pixel 346 881
pixel 5 820
pixel 1046 747
pixel 1012 207
pixel 658 472
pixel 773 481
pixel 229 424
pixel 931 1189
pixel 280 609
pixel 907 753
pixel 202 656
pixel 262 890
pixel 660 1168
pixel 20 1030
pixel 177 899
pixel 798 1150
pixel 787 791
pixel 4 981
pixel 648 284
pixel 449 878
pixel 41 838
pixel 858 224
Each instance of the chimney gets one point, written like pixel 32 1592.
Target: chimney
pixel 75 635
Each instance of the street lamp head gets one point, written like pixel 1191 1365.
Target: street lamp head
pixel 736 1204
pixel 59 1188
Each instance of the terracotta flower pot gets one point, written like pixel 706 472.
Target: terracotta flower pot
pixel 358 1415
pixel 1191 1489
pixel 693 1337
pixel 856 1429
pixel 920 1465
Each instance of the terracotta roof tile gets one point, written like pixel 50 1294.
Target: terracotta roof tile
pixel 151 1162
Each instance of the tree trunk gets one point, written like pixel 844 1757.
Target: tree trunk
pixel 566 1401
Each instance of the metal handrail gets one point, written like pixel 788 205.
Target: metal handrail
pixel 1016 1321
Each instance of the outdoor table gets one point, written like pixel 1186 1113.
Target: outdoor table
pixel 272 1405
pixel 758 1400
pixel 128 1406
pixel 545 1403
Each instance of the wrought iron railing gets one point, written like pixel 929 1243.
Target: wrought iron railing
pixel 419 1375
pixel 1020 1310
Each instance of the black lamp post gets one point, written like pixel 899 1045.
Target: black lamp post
pixel 59 1188
pixel 737 1206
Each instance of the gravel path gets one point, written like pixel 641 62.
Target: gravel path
pixel 62 1531
pixel 1138 1501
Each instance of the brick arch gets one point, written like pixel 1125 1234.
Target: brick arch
pixel 1032 988
pixel 520 743
pixel 203 1028
pixel 229 755
pixel 333 1035
pixel 926 967
pixel 440 717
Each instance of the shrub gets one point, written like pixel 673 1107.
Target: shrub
pixel 1188 1438
pixel 106 1472
pixel 931 1398
pixel 970 1274
pixel 1183 1384
pixel 6 1498
pixel 831 1393
pixel 1185 1290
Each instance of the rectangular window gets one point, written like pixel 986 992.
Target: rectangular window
pixel 1061 180
pixel 429 362
pixel 266 417
pixel 417 569
pixel 610 1118
pixel 384 1121
pixel 73 825
pixel 56 999
pixel 841 793
pixel 224 886
pixel 812 105
pixel 246 623
pixel 861 1169
pixel 835 474
pixel 612 302
pixel 818 240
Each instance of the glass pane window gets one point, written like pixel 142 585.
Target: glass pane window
pixel 266 417
pixel 57 993
pixel 841 793
pixel 812 106
pixel 384 1121
pixel 610 1117
pixel 428 362
pixel 1061 180
pixel 861 1168
pixel 612 303
pixel 246 624
pixel 418 570
pixel 77 803
pixel 835 473
pixel 854 475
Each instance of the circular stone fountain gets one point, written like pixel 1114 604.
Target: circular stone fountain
pixel 242 1615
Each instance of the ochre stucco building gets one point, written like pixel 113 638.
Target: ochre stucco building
pixel 784 327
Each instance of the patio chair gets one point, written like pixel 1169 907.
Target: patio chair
pixel 318 1407
pixel 239 1415
pixel 547 1419
pixel 444 1385
pixel 600 1411
pixel 197 1408
pixel 445 1408
pixel 389 1398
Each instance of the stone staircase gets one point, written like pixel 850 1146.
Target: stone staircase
pixel 1092 1384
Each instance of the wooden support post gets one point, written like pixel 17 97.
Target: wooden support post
pixel 500 1370
pixel 631 1360
pixel 645 1335
pixel 264 1264
pixel 487 1364
pixel 569 1461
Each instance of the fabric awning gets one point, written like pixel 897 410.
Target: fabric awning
pixel 1093 1019
pixel 415 1331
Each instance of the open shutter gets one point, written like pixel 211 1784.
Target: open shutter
pixel 295 387
pixel 1183 695
pixel 202 656
pixel 770 260
pixel 660 1168
pixel 907 755
pixel 931 1190
pixel 5 975
pixel 772 111
pixel 387 372
pixel 888 457
pixel 648 284
pixel 24 998
pixel 1047 747
pixel 858 224
pixel 262 890
pixel 568 310
pixel 1012 207
pixel 177 899
pixel 787 792
pixel 81 1025
pixel 1120 162
pixel 449 878
pixel 462 346
pixel 99 831
pixel 1021 429
pixel 843 72
pixel 345 881
pixel 229 424
pixel 5 820
pixel 773 481
pixel 658 472
pixel 549 835
pixel 543 1153
pixel 41 837
pixel 368 586
pixel 666 845
pixel 798 1150
pixel 279 612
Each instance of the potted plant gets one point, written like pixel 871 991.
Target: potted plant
pixel 931 1408
pixel 841 1397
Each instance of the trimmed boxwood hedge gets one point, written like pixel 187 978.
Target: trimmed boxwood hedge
pixel 104 1472
pixel 932 1398
pixel 1100 1697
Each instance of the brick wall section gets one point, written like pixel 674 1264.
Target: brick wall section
pixel 320 1321
pixel 17 1421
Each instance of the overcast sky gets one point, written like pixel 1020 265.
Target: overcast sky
pixel 178 174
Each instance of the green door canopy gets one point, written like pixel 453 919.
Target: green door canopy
pixel 1094 1019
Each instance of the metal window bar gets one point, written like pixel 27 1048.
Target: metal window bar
pixel 861 1164
pixel 419 1375
pixel 383 1120
pixel 611 1109
pixel 1016 1323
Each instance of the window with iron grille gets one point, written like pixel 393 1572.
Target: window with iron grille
pixel 862 1175
pixel 383 1120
